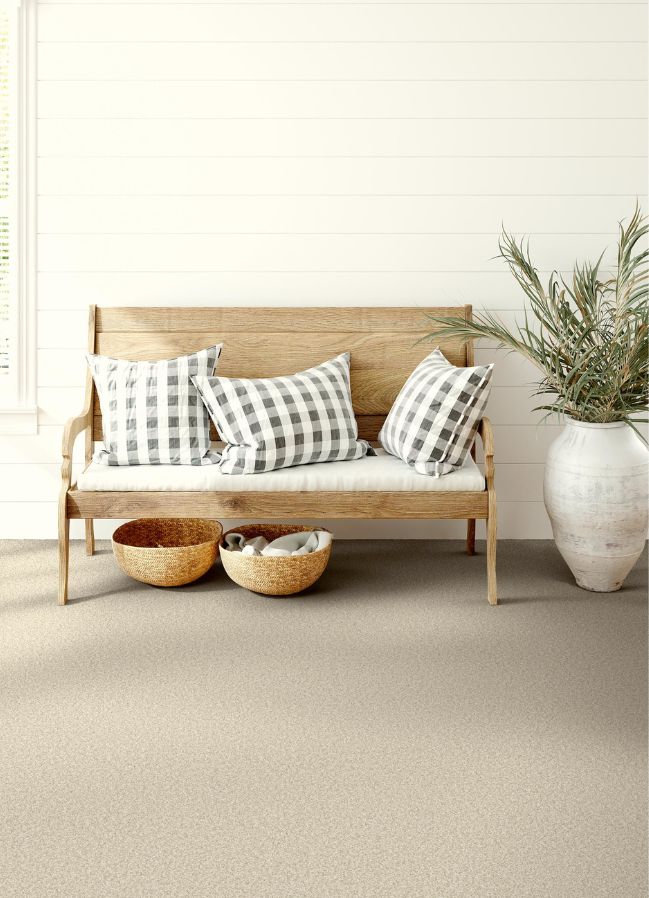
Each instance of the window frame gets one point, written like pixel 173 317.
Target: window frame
pixel 18 401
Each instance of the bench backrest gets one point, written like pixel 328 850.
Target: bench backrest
pixel 266 342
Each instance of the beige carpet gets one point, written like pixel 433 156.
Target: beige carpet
pixel 387 736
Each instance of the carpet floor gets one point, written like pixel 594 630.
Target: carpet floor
pixel 386 735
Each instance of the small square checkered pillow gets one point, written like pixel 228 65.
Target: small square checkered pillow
pixel 151 411
pixel 279 422
pixel 433 421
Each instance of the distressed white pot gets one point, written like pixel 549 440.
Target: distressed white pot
pixel 595 492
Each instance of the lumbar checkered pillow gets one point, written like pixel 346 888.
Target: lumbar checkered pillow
pixel 433 421
pixel 278 422
pixel 151 411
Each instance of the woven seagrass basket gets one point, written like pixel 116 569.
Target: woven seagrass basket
pixel 274 575
pixel 166 551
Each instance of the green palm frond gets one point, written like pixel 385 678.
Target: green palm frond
pixel 588 336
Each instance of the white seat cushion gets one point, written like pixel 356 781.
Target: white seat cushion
pixel 381 472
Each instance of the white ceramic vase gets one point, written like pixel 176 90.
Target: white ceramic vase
pixel 595 490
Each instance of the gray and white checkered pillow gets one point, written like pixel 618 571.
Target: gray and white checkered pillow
pixel 151 411
pixel 279 422
pixel 433 421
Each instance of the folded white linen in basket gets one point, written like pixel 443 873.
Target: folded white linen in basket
pixel 291 544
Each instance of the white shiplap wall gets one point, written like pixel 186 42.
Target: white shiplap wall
pixel 322 153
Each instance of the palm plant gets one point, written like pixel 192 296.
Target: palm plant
pixel 590 337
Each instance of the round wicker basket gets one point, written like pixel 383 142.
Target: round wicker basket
pixel 166 551
pixel 273 575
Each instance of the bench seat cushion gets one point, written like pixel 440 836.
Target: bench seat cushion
pixel 381 472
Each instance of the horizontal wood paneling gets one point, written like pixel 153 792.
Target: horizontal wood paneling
pixel 341 154
pixel 347 62
pixel 457 176
pixel 241 253
pixel 32 482
pixel 326 215
pixel 41 449
pixel 614 4
pixel 391 99
pixel 338 137
pixel 57 404
pixel 490 288
pixel 344 22
pixel 61 369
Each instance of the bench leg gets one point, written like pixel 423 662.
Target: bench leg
pixel 90 537
pixel 64 556
pixel 492 594
pixel 470 536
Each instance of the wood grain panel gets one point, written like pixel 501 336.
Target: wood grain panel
pixel 279 354
pixel 66 329
pixel 269 319
pixel 383 343
pixel 360 505
pixel 377 337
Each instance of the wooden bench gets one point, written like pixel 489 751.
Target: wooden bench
pixel 266 342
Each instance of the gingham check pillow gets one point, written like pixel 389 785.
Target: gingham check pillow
pixel 433 421
pixel 151 411
pixel 278 422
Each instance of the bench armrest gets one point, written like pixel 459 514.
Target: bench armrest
pixel 487 436
pixel 73 427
